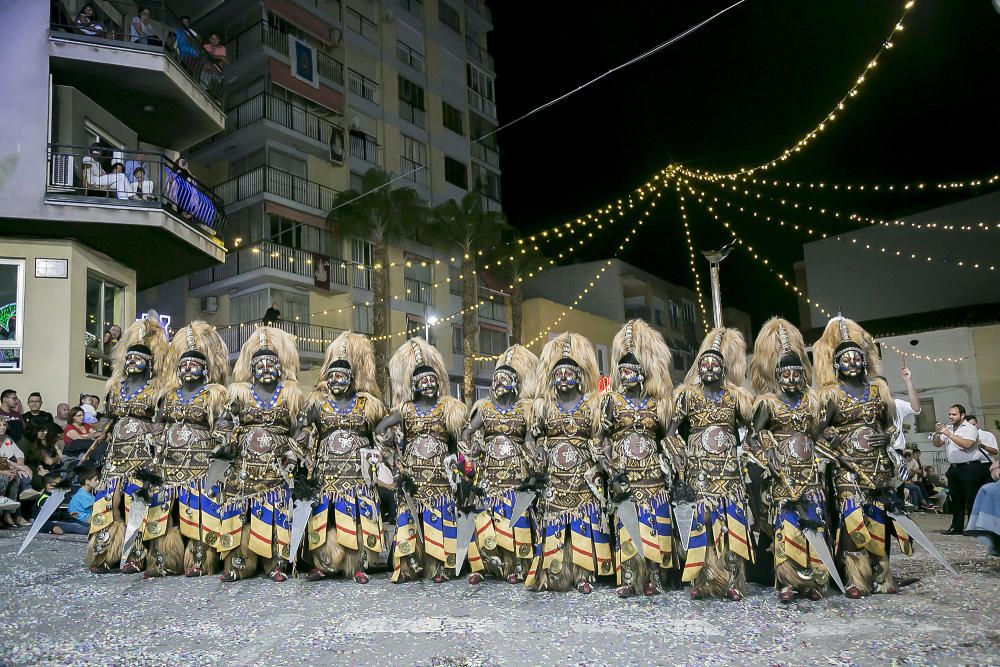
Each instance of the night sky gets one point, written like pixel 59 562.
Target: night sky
pixel 734 94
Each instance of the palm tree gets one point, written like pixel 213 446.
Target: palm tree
pixel 379 212
pixel 518 262
pixel 474 230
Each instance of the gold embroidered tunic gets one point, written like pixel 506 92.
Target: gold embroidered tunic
pixel 503 463
pixel 855 420
pixel 262 439
pixel 633 432
pixel 187 440
pixel 341 436
pixel 712 469
pixel 128 447
pixel 789 435
pixel 569 457
pixel 426 438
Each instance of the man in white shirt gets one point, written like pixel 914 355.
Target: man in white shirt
pixel 905 409
pixel 969 468
pixel 987 440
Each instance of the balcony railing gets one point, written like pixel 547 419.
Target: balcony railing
pixel 494 308
pixel 100 176
pixel 365 147
pixel 479 7
pixel 268 107
pixel 412 171
pixel 310 338
pixel 362 86
pixel 412 114
pixel 356 22
pixel 271 180
pixel 270 255
pixel 479 55
pixel 418 291
pixel 264 35
pixel 481 104
pixel 115 22
pixel 485 154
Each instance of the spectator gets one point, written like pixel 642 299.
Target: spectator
pixel 62 415
pixel 272 314
pixel 987 440
pixel 170 43
pixel 913 491
pixel 87 24
pixel 905 409
pixel 969 469
pixel 10 414
pixel 81 506
pixel 93 171
pixel 95 401
pixel 187 43
pixel 141 29
pixel 41 452
pixel 216 51
pixel 116 334
pixel 78 435
pixel 35 413
pixel 16 477
pixel 116 181
pixel 131 165
pixel 142 187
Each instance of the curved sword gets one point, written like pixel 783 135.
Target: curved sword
pixel 47 509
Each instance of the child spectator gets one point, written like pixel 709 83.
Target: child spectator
pixel 81 505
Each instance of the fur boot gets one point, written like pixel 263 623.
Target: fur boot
pixel 166 554
pixel 241 562
pixel 858 571
pixel 104 548
pixel 200 559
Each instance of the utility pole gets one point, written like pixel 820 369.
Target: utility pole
pixel 715 258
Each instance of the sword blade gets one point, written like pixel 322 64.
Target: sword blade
pixel 921 539
pixel 819 545
pixel 629 516
pixel 47 509
pixel 410 505
pixel 683 513
pixel 301 512
pixel 466 524
pixel 136 517
pixel 522 501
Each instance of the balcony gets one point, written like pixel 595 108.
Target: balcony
pixel 494 306
pixel 356 22
pixel 277 185
pixel 418 291
pixel 168 94
pixel 267 261
pixel 412 171
pixel 412 114
pixel 263 35
pixel 638 313
pixel 262 116
pixel 89 197
pixel 483 105
pixel 364 147
pixel 485 154
pixel 479 55
pixel 311 340
pixel 362 86
pixel 478 15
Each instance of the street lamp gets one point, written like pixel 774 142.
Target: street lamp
pixel 428 323
pixel 715 258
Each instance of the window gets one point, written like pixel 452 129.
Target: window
pixel 357 182
pixel 288 163
pixel 680 361
pixel 105 307
pixel 411 102
pixel 456 340
pixel 602 358
pixel 11 313
pixel 355 22
pixel 364 146
pixel 675 315
pixel 412 160
pixel 414 326
pixel 449 16
pixel 362 86
pixel 492 341
pixel 452 118
pixel 927 418
pixel 301 236
pixel 361 255
pixel 410 56
pixel 415 7
pixel 247 163
pixel 486 182
pixel 455 172
pixel 481 93
pixel 363 319
pixel 482 392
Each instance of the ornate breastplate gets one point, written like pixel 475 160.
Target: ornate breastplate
pixel 713 468
pixel 128 446
pixel 567 449
pixel 633 444
pixel 187 440
pixel 791 427
pixel 426 446
pixel 343 433
pixel 503 463
pixel 262 440
pixel 856 419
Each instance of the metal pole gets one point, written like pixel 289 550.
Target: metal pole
pixel 715 258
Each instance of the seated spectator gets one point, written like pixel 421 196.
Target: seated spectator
pixel 984 520
pixel 142 187
pixel 42 454
pixel 139 162
pixel 87 24
pixel 35 413
pixel 15 477
pixel 116 181
pixel 78 436
pixel 93 170
pixel 141 30
pixel 81 506
pixel 62 414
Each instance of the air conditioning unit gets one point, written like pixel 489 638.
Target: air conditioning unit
pixel 336 36
pixel 210 305
pixel 62 171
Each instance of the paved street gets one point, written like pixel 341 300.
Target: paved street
pixel 55 612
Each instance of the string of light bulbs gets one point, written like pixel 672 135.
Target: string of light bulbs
pixel 922 357
pixel 831 116
pixel 917 187
pixel 692 257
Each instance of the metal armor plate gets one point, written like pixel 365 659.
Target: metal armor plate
pixel 261 441
pixel 799 446
pixel 426 447
pixel 859 438
pixel 180 436
pixel 565 456
pixel 717 440
pixel 638 447
pixel 342 442
pixel 127 428
pixel 501 447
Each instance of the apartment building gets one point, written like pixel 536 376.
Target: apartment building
pixel 624 292
pixel 317 92
pixel 95 203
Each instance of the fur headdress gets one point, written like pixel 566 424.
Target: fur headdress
pixel 574 350
pixel 840 335
pixel 198 339
pixel 525 364
pixel 778 342
pixel 650 351
pixel 415 356
pixel 145 336
pixel 268 339
pixel 728 345
pixel 357 350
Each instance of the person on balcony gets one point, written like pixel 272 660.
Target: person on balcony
pixel 116 181
pixel 272 314
pixel 137 162
pixel 142 187
pixel 87 24
pixel 187 43
pixel 92 170
pixel 141 29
